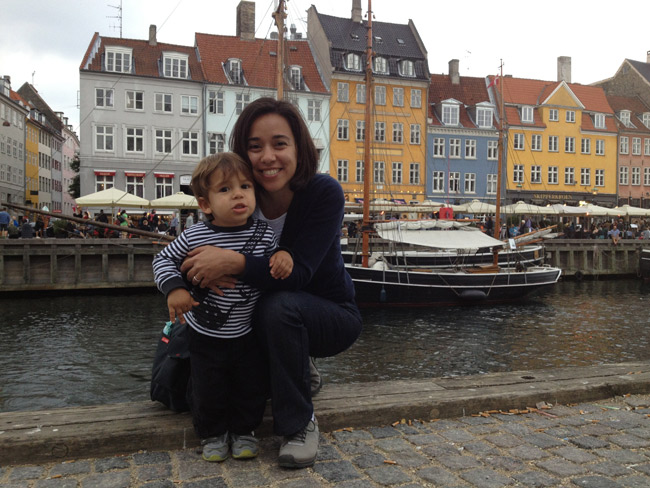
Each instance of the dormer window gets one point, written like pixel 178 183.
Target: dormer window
pixel 646 119
pixel 379 40
pixel 295 77
pixel 381 65
pixel 400 41
pixel 527 114
pixel 118 59
pixel 175 65
pixel 450 114
pixel 484 117
pixel 353 62
pixel 355 37
pixel 407 68
pixel 625 117
pixel 599 121
pixel 234 71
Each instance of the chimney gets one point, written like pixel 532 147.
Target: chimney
pixel 246 20
pixel 453 72
pixel 564 68
pixel 6 85
pixel 152 35
pixel 647 57
pixel 293 31
pixel 356 11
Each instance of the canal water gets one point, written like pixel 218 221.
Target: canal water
pixel 97 349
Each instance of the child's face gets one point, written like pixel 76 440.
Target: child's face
pixel 230 201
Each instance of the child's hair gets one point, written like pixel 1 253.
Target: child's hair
pixel 228 163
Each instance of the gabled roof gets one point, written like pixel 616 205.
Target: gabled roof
pixel 470 91
pixel 16 97
pixel 635 105
pixel 642 68
pixel 146 57
pixel 259 60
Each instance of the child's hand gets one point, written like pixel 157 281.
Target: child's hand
pixel 179 301
pixel 281 264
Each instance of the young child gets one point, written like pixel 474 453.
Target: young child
pixel 227 368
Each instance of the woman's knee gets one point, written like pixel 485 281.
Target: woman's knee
pixel 278 309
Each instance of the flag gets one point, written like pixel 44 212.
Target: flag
pixel 495 81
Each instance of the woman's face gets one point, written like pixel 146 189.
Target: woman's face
pixel 272 152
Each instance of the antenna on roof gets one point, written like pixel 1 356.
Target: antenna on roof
pixel 118 16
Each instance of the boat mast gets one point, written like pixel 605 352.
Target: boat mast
pixel 367 167
pixel 501 131
pixel 279 15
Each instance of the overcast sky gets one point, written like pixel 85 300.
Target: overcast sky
pixel 44 40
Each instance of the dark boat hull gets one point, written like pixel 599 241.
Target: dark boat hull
pixel 377 287
pixel 644 264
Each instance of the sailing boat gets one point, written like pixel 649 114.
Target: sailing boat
pixel 379 283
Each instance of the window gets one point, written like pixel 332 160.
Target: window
pixel 234 71
pixel 118 59
pixel 599 121
pixel 175 66
pixel 636 146
pixel 646 146
pixel 624 175
pixel 470 149
pixel 295 78
pixel 416 98
pixel 470 183
pixel 454 148
pixel 313 110
pixel 415 134
pixel 360 170
pixel 518 173
pixel 569 176
pixel 241 101
pixel 406 68
pixel 189 105
pixel 103 98
pixel 342 94
pixel 553 172
pixel 625 118
pixel 104 138
pixel 380 131
pixel 484 117
pixel 624 146
pixel 570 144
pixel 454 182
pixel 492 150
pixel 535 173
pixel 342 170
pixel 636 176
pixel 518 143
pixel 379 172
pixel 190 143
pixel 450 114
pixel 585 145
pixel 361 93
pixel 438 182
pixel 536 142
pixel 646 176
pixel 397 172
pixel 164 187
pixel 134 139
pixel 600 177
pixel 585 176
pixel 163 102
pixel 380 65
pixel 553 144
pixel 491 188
pixel 398 97
pixel 163 141
pixel 217 143
pixel 398 133
pixel 380 95
pixel 361 130
pixel 104 181
pixel 438 147
pixel 600 147
pixel 353 62
pixel 414 173
pixel 570 116
pixel 135 185
pixel 134 100
pixel 527 114
pixel 215 102
pixel 553 115
pixel 646 119
pixel 342 127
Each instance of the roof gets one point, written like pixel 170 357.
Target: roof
pixel 636 106
pixel 470 91
pixel 642 68
pixel 259 60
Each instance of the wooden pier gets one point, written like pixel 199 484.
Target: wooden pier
pixel 86 264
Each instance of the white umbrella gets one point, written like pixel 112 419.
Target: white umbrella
pixel 475 207
pixel 177 200
pixel 595 210
pixel 523 208
pixel 112 197
pixel 568 209
pixel 630 211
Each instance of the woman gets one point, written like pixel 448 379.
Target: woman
pixel 312 312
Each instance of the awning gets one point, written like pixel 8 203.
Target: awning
pixel 135 173
pixel 164 175
pixel 104 172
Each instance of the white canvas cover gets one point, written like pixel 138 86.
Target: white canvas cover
pixel 462 237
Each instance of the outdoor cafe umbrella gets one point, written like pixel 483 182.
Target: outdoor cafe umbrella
pixel 112 197
pixel 629 211
pixel 523 208
pixel 177 200
pixel 475 207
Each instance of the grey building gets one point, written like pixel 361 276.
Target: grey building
pixel 12 145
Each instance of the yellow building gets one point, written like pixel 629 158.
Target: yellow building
pixel 32 136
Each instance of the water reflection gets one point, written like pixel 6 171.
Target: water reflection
pixel 88 350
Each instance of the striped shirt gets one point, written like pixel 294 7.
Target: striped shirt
pixel 227 316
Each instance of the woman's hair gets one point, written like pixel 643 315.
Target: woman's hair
pixel 306 153
pixel 228 163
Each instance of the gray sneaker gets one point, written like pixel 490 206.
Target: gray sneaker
pixel 299 450
pixel 215 449
pixel 316 380
pixel 244 446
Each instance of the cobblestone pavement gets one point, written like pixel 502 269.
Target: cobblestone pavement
pixel 599 444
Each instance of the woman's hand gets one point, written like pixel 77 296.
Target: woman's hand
pixel 213 267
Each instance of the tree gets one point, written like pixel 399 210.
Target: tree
pixel 75 189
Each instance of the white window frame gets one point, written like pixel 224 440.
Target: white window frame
pixel 135 185
pixel 352 62
pixel 134 100
pixel 437 181
pixel 361 93
pixel 585 176
pixel 450 114
pixel 397 172
pixel 438 147
pixel 313 110
pixel 553 142
pixel 162 101
pixel 104 182
pixel 360 170
pixel 553 115
pixel 600 147
pixel 570 116
pixel 454 182
pixel 454 148
pixel 104 99
pixel 380 132
pixel 343 129
pixel 215 102
pixel 585 145
pixel 379 172
pixel 470 148
pixel 600 178
pixel 536 142
pixel 599 121
pixel 636 146
pixel 118 59
pixel 415 134
pixel 380 65
pixel 189 105
pixel 570 144
pixel 360 130
pixel 176 65
pixel 569 175
pixel 241 102
pixel 164 187
pixel 518 141
pixel 414 173
pixel 492 150
pixel 527 114
pixel 216 142
pixel 134 140
pixel 342 92
pixel 163 141
pixel 491 183
pixel 646 146
pixel 398 133
pixel 624 145
pixel 484 118
pixel 295 77
pixel 380 95
pixel 398 96
pixel 105 134
pixel 406 68
pixel 625 118
pixel 624 175
pixel 553 177
pixel 469 183
pixel 416 98
pixel 646 176
pixel 535 173
pixel 635 179
pixel 518 173
pixel 190 143
pixel 342 170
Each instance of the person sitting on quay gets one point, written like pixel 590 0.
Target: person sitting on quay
pixel 26 230
pixel 5 218
pixel 615 234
